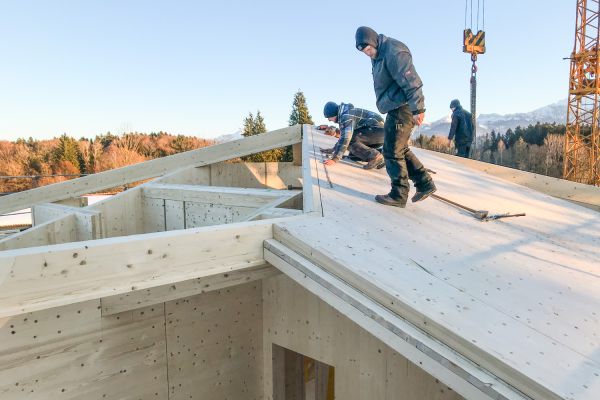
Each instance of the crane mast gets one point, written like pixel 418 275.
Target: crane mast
pixel 582 137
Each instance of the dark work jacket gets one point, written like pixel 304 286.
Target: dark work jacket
pixel 395 79
pixel 350 120
pixel 461 129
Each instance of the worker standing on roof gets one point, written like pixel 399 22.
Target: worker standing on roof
pixel 399 93
pixel 461 129
pixel 361 132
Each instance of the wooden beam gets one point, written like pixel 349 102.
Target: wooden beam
pixel 273 204
pixel 239 197
pixel 150 169
pixel 310 175
pixel 278 213
pixel 43 277
pixel 212 280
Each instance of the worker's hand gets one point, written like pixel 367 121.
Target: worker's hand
pixel 419 118
pixel 326 151
pixel 329 162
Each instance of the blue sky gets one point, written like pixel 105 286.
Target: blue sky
pixel 195 68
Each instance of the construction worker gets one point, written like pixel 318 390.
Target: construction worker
pixel 399 93
pixel 461 129
pixel 361 132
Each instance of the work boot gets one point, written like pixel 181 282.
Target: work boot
pixel 375 162
pixel 385 199
pixel 424 192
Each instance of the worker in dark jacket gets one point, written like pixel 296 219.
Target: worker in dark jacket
pixel 399 93
pixel 361 132
pixel 461 129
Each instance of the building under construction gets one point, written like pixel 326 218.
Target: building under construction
pixel 217 280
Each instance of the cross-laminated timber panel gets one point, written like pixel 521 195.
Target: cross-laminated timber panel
pixel 519 296
pixel 174 350
pixel 189 206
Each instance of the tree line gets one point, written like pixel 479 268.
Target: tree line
pixel 536 148
pixel 63 158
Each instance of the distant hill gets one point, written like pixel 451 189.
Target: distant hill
pixel 556 112
pixel 229 137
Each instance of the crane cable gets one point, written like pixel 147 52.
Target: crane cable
pixel 474 51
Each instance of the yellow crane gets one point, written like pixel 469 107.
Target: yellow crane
pixel 582 138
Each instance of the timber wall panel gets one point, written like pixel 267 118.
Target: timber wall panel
pixel 207 346
pixel 154 215
pixel 59 230
pixel 249 175
pixel 175 218
pixel 122 214
pixel 365 368
pixel 272 175
pixel 215 344
pixel 280 175
pixel 71 352
pixel 188 176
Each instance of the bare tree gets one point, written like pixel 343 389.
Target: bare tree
pixel 501 148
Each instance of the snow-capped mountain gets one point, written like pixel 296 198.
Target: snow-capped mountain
pixel 556 112
pixel 229 137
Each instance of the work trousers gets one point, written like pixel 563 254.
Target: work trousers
pixel 463 149
pixel 400 162
pixel 365 141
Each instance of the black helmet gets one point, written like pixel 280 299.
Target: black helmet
pixel 330 109
pixel 454 103
pixel 366 36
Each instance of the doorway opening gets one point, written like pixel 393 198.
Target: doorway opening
pixel 298 377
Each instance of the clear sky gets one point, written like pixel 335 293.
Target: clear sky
pixel 197 68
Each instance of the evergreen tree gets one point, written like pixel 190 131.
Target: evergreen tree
pixel 248 129
pixel 68 150
pixel 259 124
pixel 300 114
pixel 256 126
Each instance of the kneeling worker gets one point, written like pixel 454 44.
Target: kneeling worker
pixel 361 132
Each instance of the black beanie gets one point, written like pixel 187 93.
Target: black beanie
pixel 330 109
pixel 365 35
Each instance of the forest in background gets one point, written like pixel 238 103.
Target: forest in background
pixel 536 148
pixel 63 158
